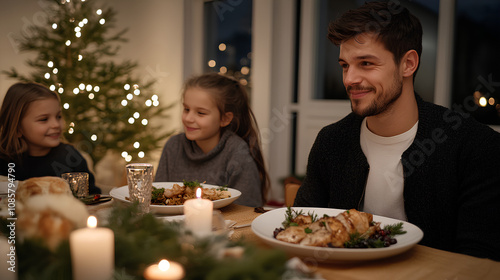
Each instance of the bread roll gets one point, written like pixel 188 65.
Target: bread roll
pixel 50 217
pixel 42 185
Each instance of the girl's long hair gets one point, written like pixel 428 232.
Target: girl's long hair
pixel 15 104
pixel 231 96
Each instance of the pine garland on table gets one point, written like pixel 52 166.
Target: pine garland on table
pixel 143 240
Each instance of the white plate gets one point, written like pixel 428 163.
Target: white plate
pixel 264 226
pixel 122 192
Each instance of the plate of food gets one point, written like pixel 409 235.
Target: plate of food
pixel 168 197
pixel 332 235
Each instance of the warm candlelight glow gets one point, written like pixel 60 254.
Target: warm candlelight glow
pixel 198 192
pixel 91 222
pixel 163 265
pixel 164 270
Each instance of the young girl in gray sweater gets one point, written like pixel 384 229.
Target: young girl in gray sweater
pixel 220 144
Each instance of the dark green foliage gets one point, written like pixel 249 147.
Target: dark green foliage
pixel 291 214
pixel 143 240
pixel 395 229
pixel 36 261
pixel 157 196
pixel 192 184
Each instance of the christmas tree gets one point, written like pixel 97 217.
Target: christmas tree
pixel 104 104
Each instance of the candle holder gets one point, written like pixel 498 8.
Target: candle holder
pixel 78 183
pixel 140 184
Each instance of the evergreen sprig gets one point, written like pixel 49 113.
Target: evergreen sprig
pixel 291 214
pixel 192 184
pixel 395 229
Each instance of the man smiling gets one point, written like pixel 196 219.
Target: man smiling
pixel 396 155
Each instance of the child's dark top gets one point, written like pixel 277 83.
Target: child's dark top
pixel 61 159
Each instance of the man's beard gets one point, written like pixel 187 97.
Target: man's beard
pixel 382 102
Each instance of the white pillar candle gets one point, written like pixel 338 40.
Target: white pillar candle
pixel 92 252
pixel 164 270
pixel 198 215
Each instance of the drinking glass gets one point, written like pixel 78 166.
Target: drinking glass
pixel 140 184
pixel 78 183
pixel 219 226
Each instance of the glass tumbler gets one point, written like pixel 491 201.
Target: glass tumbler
pixel 140 184
pixel 78 183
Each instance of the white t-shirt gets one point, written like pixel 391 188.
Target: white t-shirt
pixel 384 187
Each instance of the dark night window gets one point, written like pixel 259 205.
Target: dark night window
pixel 476 75
pixel 228 38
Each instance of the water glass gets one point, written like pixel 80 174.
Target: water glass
pixel 219 226
pixel 78 183
pixel 140 184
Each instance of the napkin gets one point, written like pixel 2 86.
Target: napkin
pixel 296 269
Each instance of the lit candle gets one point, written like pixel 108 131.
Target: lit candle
pixel 198 215
pixel 164 270
pixel 92 252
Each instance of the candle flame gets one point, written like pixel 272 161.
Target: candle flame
pixel 198 192
pixel 92 222
pixel 163 265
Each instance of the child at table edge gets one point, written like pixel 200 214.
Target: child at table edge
pixel 220 144
pixel 30 136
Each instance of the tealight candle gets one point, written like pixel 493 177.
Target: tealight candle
pixel 198 215
pixel 92 252
pixel 164 270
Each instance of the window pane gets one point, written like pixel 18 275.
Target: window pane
pixel 329 74
pixel 228 38
pixel 476 75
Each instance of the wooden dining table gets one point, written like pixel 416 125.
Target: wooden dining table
pixel 420 262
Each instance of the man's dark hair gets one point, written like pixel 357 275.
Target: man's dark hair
pixel 396 28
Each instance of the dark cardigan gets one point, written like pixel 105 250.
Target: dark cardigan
pixel 451 172
pixel 61 159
